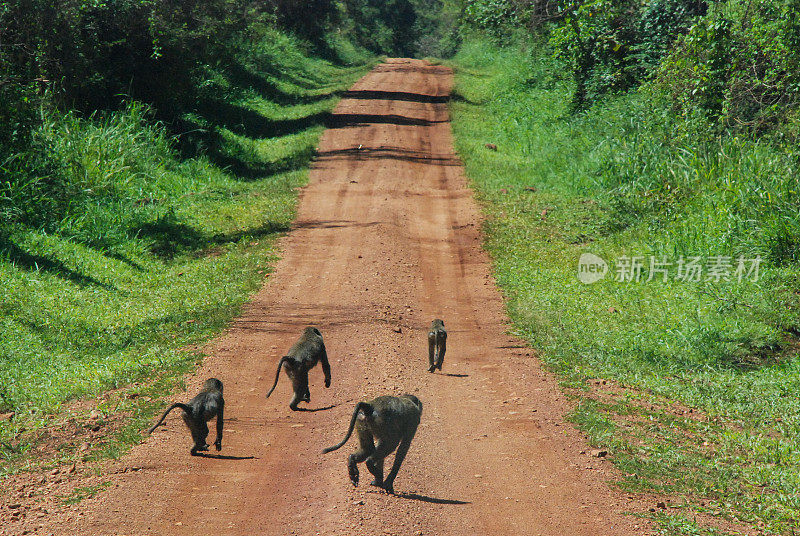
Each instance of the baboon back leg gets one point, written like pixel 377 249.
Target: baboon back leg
pixel 402 450
pixel 301 393
pixel 442 348
pixel 375 462
pixel 365 450
pixel 188 420
pixel 199 434
pixel 295 400
pixel 375 466
pixel 382 449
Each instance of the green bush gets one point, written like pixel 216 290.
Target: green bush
pixel 713 195
pixel 383 26
pixel 61 64
pixel 595 41
pixel 611 45
pixel 496 17
pixel 740 66
pixel 660 23
pixel 309 19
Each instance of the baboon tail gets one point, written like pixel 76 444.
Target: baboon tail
pixel 184 407
pixel 278 374
pixel 361 406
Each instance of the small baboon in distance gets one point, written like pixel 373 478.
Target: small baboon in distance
pixel 302 357
pixel 437 345
pixel 198 411
pixel 391 421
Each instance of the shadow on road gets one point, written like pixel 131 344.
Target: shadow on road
pixel 342 120
pixel 223 456
pixel 311 410
pixel 432 500
pixel 395 95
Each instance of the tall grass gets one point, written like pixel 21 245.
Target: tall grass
pixel 627 178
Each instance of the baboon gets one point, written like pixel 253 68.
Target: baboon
pixel 302 357
pixel 389 420
pixel 198 411
pixel 437 345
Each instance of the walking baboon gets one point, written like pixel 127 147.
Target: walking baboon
pixel 391 421
pixel 302 357
pixel 198 411
pixel 437 345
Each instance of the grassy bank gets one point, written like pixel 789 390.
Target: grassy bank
pixel 689 384
pixel 146 245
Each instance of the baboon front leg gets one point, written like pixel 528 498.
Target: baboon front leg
pixel 431 349
pixel 326 367
pixel 402 450
pixel 220 426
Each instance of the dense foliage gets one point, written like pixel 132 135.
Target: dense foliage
pixel 716 78
pixel 612 45
pixel 732 62
pixel 740 64
pixel 178 58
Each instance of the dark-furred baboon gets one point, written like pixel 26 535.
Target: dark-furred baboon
pixel 383 425
pixel 437 345
pixel 198 411
pixel 302 357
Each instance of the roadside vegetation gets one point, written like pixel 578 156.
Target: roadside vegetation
pixel 126 254
pixel 150 155
pixel 643 131
pixel 149 159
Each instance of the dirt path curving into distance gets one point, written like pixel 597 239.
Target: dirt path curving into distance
pixel 387 238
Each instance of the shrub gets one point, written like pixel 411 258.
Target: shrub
pixel 611 45
pixel 739 66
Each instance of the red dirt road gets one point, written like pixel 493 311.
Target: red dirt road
pixel 387 237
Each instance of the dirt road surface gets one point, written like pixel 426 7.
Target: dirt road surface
pixel 387 238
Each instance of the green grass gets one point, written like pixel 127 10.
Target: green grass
pixel 87 492
pixel 137 253
pixel 626 178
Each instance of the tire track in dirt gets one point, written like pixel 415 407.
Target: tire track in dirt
pixel 387 236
